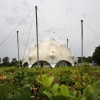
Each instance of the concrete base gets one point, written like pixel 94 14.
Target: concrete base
pixel 30 66
pixel 52 65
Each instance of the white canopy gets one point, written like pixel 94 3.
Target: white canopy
pixel 50 51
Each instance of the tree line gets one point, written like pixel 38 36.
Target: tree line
pixel 95 58
pixel 6 62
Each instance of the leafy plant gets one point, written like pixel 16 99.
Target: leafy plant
pixel 63 83
pixel 4 91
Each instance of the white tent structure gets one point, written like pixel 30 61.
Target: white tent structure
pixel 51 54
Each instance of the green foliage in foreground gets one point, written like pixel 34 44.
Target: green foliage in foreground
pixel 62 92
pixel 64 83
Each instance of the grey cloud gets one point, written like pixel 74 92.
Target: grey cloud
pixel 42 1
pixel 26 6
pixel 16 21
pixel 68 2
pixel 50 30
pixel 68 11
pixel 26 3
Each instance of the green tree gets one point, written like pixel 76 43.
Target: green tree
pixel 6 61
pixel 96 55
pixel 14 62
pixel 89 59
pixel 20 63
pixel 79 59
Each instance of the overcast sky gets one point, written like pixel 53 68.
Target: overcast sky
pixel 59 19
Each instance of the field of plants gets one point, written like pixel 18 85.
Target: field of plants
pixel 63 83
